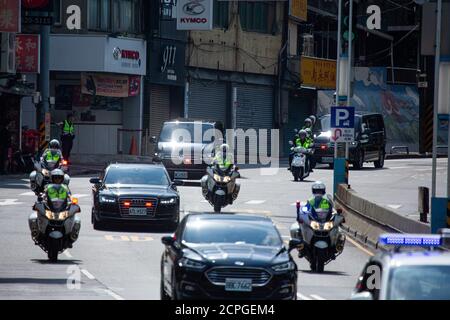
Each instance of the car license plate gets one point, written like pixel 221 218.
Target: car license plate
pixel 327 159
pixel 137 211
pixel 180 175
pixel 241 285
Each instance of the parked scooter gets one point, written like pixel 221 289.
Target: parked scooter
pixel 322 240
pixel 220 187
pixel 55 226
pixel 24 162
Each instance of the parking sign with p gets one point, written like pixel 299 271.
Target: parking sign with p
pixel 343 124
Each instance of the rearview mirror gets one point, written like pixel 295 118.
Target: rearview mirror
pixel 291 143
pixel 95 180
pixel 156 159
pixel 168 240
pixel 294 244
pixel 178 182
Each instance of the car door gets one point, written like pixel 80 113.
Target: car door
pixel 375 136
pixel 364 137
pixel 370 280
pixel 170 257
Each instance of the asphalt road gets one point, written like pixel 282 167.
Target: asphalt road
pixel 123 263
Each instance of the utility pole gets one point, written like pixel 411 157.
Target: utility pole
pixel 44 84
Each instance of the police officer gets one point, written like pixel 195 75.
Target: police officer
pixel 52 158
pixel 319 202
pixel 301 140
pixel 222 158
pixel 68 135
pixel 57 193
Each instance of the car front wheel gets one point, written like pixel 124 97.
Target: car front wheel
pixel 380 162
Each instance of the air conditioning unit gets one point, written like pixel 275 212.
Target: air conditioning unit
pixel 8 52
pixel 308 45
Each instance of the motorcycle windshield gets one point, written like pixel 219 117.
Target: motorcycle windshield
pixel 57 204
pixel 322 215
pixel 51 165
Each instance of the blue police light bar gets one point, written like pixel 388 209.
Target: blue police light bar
pixel 419 240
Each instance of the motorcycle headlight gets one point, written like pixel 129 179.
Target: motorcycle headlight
pixel 328 226
pixel 107 199
pixel 226 179
pixel 56 216
pixel 167 201
pixel 193 264
pixel 315 225
pixel 217 178
pixel 45 172
pixel 287 266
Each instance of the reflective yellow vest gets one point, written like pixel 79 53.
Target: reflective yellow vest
pixel 68 127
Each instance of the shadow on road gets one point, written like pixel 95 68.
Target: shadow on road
pixel 327 273
pixel 60 261
pixel 137 228
pixel 33 281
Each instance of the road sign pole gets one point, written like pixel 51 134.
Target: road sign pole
pixel 349 70
pixel 338 69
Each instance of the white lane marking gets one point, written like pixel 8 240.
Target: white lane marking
pixel 255 202
pixel 302 297
pixel 88 274
pixel 360 247
pixel 394 206
pixel 81 195
pixel 30 193
pixel 67 254
pixel 9 202
pixel 18 184
pixel 25 180
pixel 204 201
pixel 114 295
pixel 317 297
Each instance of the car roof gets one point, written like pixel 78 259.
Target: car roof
pixel 415 258
pixel 229 217
pixel 135 165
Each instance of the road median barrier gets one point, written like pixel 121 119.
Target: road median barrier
pixel 366 220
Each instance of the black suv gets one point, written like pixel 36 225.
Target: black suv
pixel 369 144
pixel 186 157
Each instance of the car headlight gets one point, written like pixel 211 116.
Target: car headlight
pixel 287 266
pixel 328 226
pixel 107 199
pixel 167 201
pixel 315 225
pixel 193 264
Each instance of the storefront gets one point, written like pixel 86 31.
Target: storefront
pixel 99 80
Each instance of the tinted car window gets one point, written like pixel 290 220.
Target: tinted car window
pixel 419 283
pixel 169 131
pixel 127 175
pixel 226 231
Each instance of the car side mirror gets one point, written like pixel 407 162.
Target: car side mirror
pixel 156 159
pixel 153 139
pixel 95 180
pixel 178 183
pixel 365 295
pixel 294 244
pixel 168 241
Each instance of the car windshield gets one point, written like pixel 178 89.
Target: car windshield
pixel 185 131
pixel 324 124
pixel 259 233
pixel 139 175
pixel 420 283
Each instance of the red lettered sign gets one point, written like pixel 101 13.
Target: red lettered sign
pixel 9 16
pixel 27 53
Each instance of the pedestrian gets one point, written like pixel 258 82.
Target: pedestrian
pixel 67 137
pixel 5 145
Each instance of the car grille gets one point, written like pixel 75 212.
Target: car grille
pixel 138 202
pixel 218 276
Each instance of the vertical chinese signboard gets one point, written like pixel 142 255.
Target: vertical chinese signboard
pixel 299 9
pixel 10 16
pixel 28 53
pixel 318 73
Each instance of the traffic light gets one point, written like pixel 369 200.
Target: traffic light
pixel 345 28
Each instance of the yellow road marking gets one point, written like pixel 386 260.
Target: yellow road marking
pixel 140 239
pixel 360 247
pixel 109 238
pixel 124 238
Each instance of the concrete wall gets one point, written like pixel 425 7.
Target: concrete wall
pixel 234 49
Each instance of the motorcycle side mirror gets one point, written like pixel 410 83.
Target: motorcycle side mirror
pixel 294 244
pixel 153 139
pixel 291 143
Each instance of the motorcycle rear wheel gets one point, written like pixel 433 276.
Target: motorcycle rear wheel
pixel 296 173
pixel 217 208
pixel 53 252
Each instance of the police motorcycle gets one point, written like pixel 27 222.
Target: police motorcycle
pixel 219 186
pixel 299 164
pixel 319 232
pixel 54 224
pixel 40 177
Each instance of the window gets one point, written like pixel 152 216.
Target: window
pixel 114 15
pixel 257 16
pixel 221 10
pixel 99 12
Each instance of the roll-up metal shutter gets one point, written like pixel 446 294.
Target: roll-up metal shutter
pixel 208 100
pixel 159 110
pixel 255 111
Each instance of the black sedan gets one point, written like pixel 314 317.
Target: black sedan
pixel 140 193
pixel 227 256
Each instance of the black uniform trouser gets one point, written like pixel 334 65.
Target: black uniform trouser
pixel 67 144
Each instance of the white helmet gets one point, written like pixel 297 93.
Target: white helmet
pixel 224 148
pixel 318 187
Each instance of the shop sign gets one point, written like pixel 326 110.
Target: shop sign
pixel 109 85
